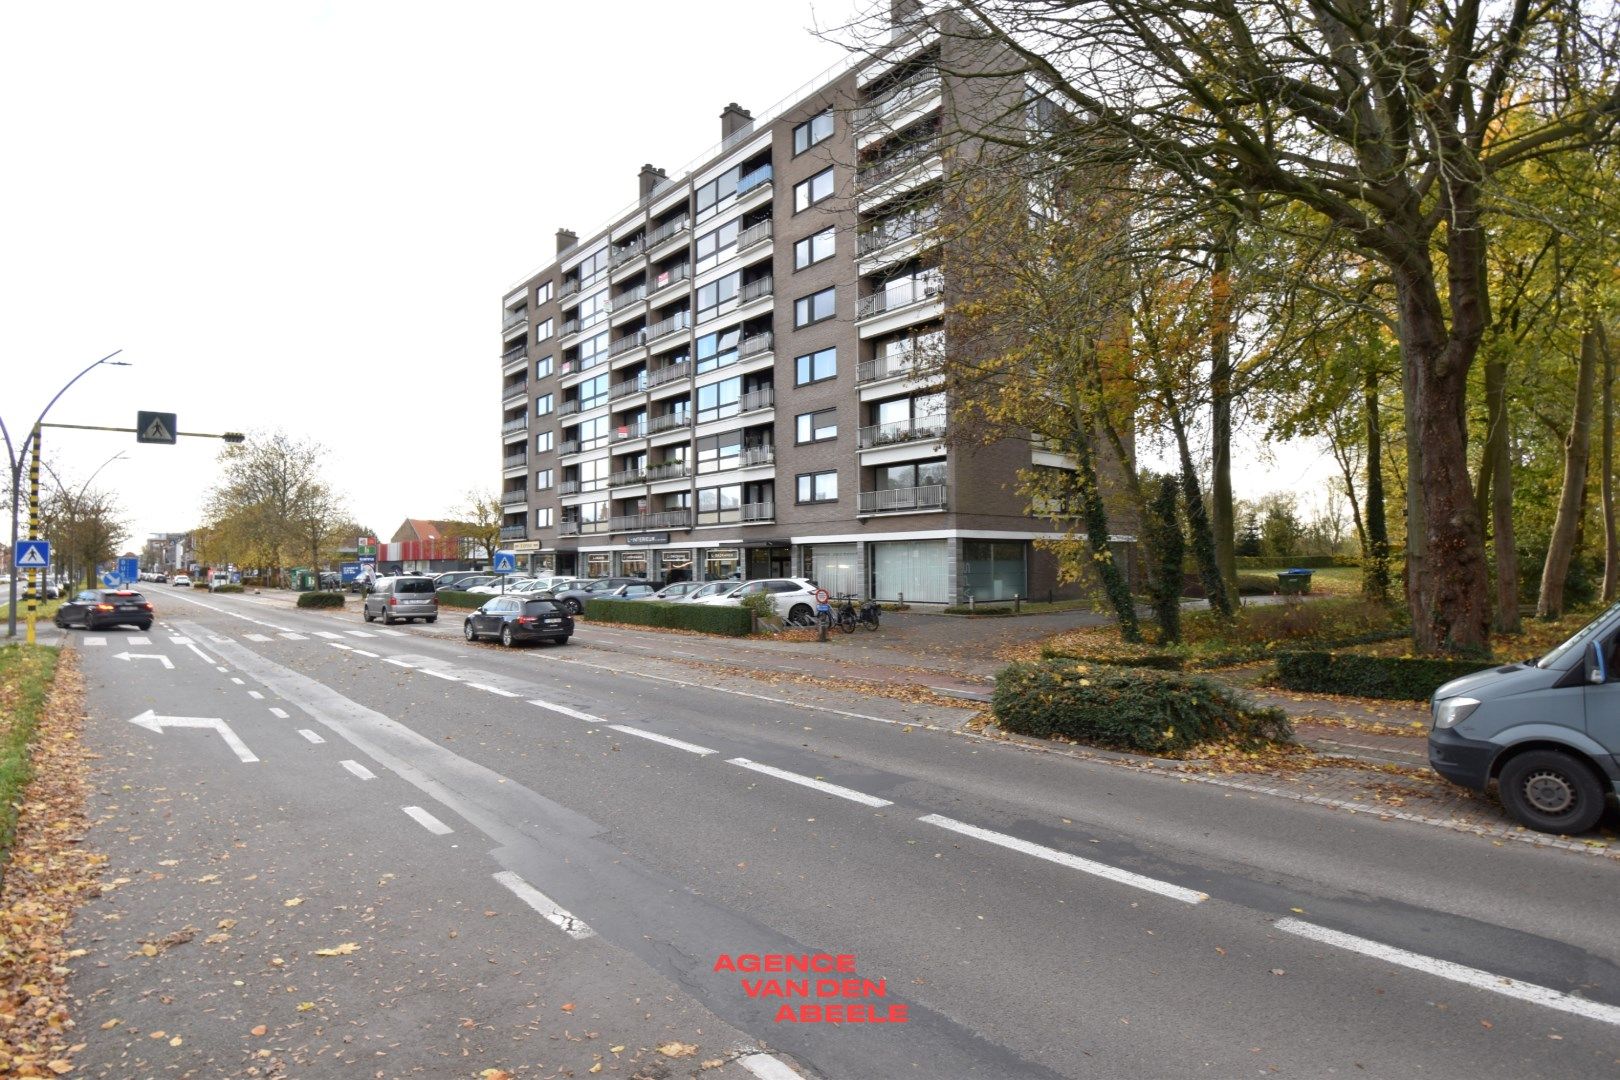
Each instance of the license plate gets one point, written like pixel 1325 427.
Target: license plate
pixel 553 622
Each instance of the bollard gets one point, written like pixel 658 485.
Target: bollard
pixel 1017 601
pixel 972 607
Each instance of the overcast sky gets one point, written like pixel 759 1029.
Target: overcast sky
pixel 304 215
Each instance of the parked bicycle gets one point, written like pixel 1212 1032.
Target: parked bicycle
pixel 847 616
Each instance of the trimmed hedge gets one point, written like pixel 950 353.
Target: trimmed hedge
pixel 1397 678
pixel 320 599
pixel 1294 562
pixel 458 599
pixel 979 609
pixel 1126 709
pixel 708 618
pixel 199 584
pixel 228 588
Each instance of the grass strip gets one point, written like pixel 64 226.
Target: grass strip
pixel 27 673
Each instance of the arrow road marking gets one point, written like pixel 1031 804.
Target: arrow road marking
pixel 192 645
pixel 164 660
pixel 155 723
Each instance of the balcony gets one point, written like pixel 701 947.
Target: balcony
pixel 899 294
pixel 761 175
pixel 756 455
pixel 764 510
pixel 628 477
pixel 514 532
pixel 668 374
pixel 515 461
pixel 630 341
pixel 570 327
pixel 669 421
pixel 570 287
pixel 568 487
pixel 897 99
pixel 637 430
pixel 513 498
pixel 657 283
pixel 568 446
pixel 667 231
pixel 633 385
pixel 892 165
pixel 514 319
pixel 517 424
pixel 513 394
pixel 568 528
pixel 763 398
pixel 633 295
pixel 625 252
pixel 677 322
pixel 568 407
pixel 756 344
pixel 916 429
pixel 669 470
pixel 901 500
pixel 895 230
pixel 757 289
pixel 754 234
pixel 663 519
pixel 514 354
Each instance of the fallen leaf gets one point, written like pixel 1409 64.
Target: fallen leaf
pixel 495 1074
pixel 568 1006
pixel 1278 971
pixel 259 1030
pixel 148 949
pixel 678 1049
pixel 339 950
pixel 294 902
pixel 110 1024
pixel 176 1041
pixel 616 1049
pixel 1486 1024
pixel 61 1066
pixel 305 1006
pixel 598 1066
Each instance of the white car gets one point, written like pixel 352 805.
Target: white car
pixel 180 579
pixel 513 583
pixel 792 596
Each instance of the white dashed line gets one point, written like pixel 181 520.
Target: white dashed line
pixel 811 782
pixel 440 675
pixel 310 735
pixel 428 821
pixel 256 637
pixel 391 633
pixel 359 633
pixel 290 636
pixel 279 714
pixel 1073 862
pixel 237 681
pixel 218 640
pixel 340 645
pixel 398 662
pixel 491 689
pixel 547 908
pixel 765 1067
pixel 255 695
pixel 1458 973
pixel 690 748
pixel 327 634
pixel 221 668
pixel 137 640
pixel 359 770
pixel 362 652
pixel 93 641
pixel 566 711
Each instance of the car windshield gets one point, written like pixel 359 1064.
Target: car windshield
pixel 413 585
pixel 1578 638
pixel 541 607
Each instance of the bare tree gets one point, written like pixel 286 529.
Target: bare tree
pixel 479 518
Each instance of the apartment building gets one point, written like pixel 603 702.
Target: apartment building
pixel 722 381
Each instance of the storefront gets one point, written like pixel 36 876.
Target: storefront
pixel 633 564
pixel 675 564
pixel 721 563
pixel 994 569
pixel 915 570
pixel 834 567
pixel 768 558
pixel 596 564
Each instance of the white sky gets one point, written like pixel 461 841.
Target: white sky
pixel 304 215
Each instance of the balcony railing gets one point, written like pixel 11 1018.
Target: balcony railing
pixel 892 165
pixel 893 230
pixel 668 374
pixel 657 283
pixel 757 289
pixel 518 352
pixel 915 429
pixel 630 431
pixel 568 446
pixel 899 294
pixel 629 476
pixel 570 286
pixel 669 470
pixel 679 321
pixel 512 498
pixel 512 390
pixel 763 398
pixel 756 344
pixel 668 231
pixel 570 327
pixel 629 341
pixel 897 99
pixel 906 360
pixel 630 296
pixel 764 510
pixel 663 519
pixel 568 528
pixel 514 318
pixel 756 455
pixel 634 385
pixel 515 425
pixel 568 487
pixel 515 461
pixel 761 175
pixel 514 532
pixel 754 234
pixel 625 252
pixel 668 421
pixel 901 500
pixel 568 407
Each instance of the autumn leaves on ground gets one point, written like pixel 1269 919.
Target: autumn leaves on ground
pixel 45 870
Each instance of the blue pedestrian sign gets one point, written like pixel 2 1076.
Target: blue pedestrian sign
pixel 129 569
pixel 505 563
pixel 33 554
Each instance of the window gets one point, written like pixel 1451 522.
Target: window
pixel 593 475
pixel 717 452
pixel 817 426
pixel 806 193
pixel 542 367
pixel 542 479
pixel 543 518
pixel 713 247
pixel 818 487
pixel 593 351
pixel 542 405
pixel 593 309
pixel 716 192
pixel 718 399
pixel 544 441
pixel 716 505
pixel 813 249
pixel 542 293
pixel 593 433
pixel 816 366
pixel 911 474
pixel 542 330
pixel 593 268
pixel 812 131
pixel 594 392
pixel 814 308
pixel 718 350
pixel 715 293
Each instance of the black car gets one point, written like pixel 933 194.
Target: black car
pixel 514 619
pixel 96 609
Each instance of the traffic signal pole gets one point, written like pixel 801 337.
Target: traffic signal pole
pixel 33 532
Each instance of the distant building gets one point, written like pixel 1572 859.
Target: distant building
pixel 421 545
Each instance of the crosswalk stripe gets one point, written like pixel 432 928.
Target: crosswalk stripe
pixel 95 641
pixel 290 636
pixel 255 637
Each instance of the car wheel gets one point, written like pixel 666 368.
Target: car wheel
pixel 561 640
pixel 1550 791
pixel 431 619
pixel 144 627
pixel 572 606
pixel 365 613
pixel 799 613
pixel 506 637
pixel 468 631
pixel 387 619
pixel 60 625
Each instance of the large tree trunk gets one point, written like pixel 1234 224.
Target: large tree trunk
pixel 1577 447
pixel 1209 571
pixel 1611 542
pixel 1220 411
pixel 1375 572
pixel 1499 464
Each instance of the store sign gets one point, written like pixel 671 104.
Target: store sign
pixel 524 545
pixel 647 538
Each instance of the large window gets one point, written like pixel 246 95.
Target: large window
pixel 544 441
pixel 816 366
pixel 594 392
pixel 835 568
pixel 718 350
pixel 719 504
pixel 594 308
pixel 715 246
pixel 543 518
pixel 593 433
pixel 719 452
pixel 815 308
pixel 806 193
pixel 542 480
pixel 593 351
pixel 814 130
pixel 542 330
pixel 915 569
pixel 542 405
pixel 818 487
pixel 993 570
pixel 593 269
pixel 593 475
pixel 717 292
pixel 814 248
pixel 717 192
pixel 911 474
pixel 718 400
pixel 542 367
pixel 542 293
pixel 719 564
pixel 816 426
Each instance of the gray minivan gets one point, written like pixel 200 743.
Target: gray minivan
pixel 1547 730
pixel 408 596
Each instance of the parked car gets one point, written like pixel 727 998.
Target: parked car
pixel 97 609
pixel 520 618
pixel 182 580
pixel 467 582
pixel 575 593
pixel 330 580
pixel 680 590
pixel 793 597
pixel 451 579
pixel 641 590
pixel 708 590
pixel 1547 730
pixel 498 585
pixel 404 597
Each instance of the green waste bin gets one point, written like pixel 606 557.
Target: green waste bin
pixel 302 580
pixel 1294 582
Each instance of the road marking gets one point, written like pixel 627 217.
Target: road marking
pixel 237 681
pixel 440 675
pixel 1073 862
pixel 359 633
pixel 691 748
pixel 390 633
pixel 427 821
pixel 340 645
pixel 491 689
pixel 138 640
pixel 362 652
pixel 255 695
pixel 547 908
pixel 256 637
pixel 327 634
pixel 1458 973
pixel 811 782
pixel 95 641
pixel 398 662
pixel 228 611
pixel 222 669
pixel 359 770
pixel 279 714
pixel 159 657
pixel 766 1067
pixel 290 636
pixel 155 723
pixel 217 640
pixel 310 735
pixel 192 645
pixel 566 711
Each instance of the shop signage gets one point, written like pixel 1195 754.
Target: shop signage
pixel 524 545
pixel 647 538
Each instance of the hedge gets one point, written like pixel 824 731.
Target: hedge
pixel 1126 709
pixel 456 598
pixel 228 588
pixel 1294 562
pixel 1394 677
pixel 320 599
pixel 977 609
pixel 199 584
pixel 709 618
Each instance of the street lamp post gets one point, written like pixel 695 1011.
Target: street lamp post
pixel 17 456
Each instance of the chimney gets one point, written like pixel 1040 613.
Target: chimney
pixel 650 179
pixel 566 238
pixel 733 119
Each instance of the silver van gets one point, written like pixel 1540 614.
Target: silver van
pixel 407 596
pixel 1547 730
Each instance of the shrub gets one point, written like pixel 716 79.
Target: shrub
pixel 457 599
pixel 1256 585
pixel 199 584
pixel 760 605
pixel 1396 677
pixel 1126 709
pixel 708 618
pixel 978 609
pixel 320 599
pixel 227 588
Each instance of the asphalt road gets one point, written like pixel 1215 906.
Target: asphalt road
pixel 540 854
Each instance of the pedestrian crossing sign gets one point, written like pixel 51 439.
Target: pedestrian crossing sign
pixel 505 563
pixel 155 427
pixel 33 554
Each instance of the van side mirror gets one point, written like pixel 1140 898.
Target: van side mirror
pixel 1597 671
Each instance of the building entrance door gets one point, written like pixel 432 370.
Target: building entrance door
pixel 766 562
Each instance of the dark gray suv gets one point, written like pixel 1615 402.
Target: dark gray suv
pixel 406 597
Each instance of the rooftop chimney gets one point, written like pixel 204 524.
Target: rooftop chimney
pixel 650 179
pixel 566 238
pixel 733 119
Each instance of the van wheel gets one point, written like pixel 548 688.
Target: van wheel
pixel 1551 792
pixel 365 614
pixel 387 619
